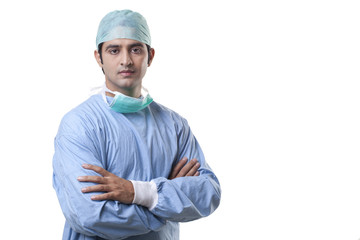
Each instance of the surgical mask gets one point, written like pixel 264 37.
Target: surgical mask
pixel 125 104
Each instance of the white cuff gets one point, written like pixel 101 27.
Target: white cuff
pixel 145 194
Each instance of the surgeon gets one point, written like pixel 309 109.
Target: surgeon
pixel 125 166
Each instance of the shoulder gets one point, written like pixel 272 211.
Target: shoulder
pixel 169 115
pixel 165 111
pixel 82 116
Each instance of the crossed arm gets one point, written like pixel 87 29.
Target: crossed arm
pixel 180 198
pixel 122 190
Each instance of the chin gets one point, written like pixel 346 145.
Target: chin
pixel 127 83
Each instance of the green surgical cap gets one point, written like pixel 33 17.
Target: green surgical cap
pixel 123 24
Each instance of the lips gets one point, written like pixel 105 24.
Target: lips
pixel 126 73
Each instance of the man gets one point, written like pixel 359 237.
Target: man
pixel 121 166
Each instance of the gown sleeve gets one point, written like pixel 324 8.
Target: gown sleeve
pixel 188 198
pixel 106 219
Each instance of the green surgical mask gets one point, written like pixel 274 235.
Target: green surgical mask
pixel 125 104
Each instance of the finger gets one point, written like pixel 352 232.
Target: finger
pixel 96 188
pixel 105 196
pixel 94 179
pixel 197 174
pixel 97 169
pixel 178 167
pixel 187 168
pixel 193 170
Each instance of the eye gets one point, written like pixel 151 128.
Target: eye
pixel 113 51
pixel 136 50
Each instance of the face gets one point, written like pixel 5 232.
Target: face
pixel 125 62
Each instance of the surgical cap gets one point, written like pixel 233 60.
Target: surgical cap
pixel 123 24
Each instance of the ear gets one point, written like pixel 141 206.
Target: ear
pixel 97 58
pixel 152 54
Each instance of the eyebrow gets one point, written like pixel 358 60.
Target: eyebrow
pixel 118 46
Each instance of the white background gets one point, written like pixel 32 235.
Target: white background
pixel 270 89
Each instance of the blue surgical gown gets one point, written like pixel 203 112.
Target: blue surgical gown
pixel 141 146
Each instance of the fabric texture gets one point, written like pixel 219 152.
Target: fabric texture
pixel 123 24
pixel 145 194
pixel 141 146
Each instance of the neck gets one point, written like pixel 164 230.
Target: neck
pixel 131 92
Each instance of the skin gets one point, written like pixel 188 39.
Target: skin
pixel 122 190
pixel 121 55
pixel 185 168
pixel 125 62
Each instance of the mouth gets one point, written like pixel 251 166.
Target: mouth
pixel 126 73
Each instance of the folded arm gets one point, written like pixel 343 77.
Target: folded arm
pixel 128 192
pixel 182 196
pixel 191 191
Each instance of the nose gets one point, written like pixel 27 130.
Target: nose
pixel 125 59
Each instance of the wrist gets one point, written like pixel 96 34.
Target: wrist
pixel 131 192
pixel 145 194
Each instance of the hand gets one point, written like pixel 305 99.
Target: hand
pixel 116 188
pixel 184 168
